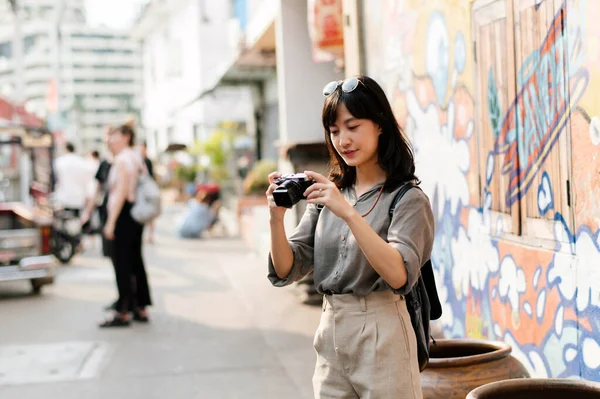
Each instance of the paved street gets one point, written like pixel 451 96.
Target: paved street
pixel 218 330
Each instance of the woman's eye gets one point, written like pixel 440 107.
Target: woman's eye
pixel 333 132
pixel 351 128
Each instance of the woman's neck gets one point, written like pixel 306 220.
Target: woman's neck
pixel 369 175
pixel 120 151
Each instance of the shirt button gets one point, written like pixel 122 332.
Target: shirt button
pixel 343 238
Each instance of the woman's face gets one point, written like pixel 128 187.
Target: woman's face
pixel 116 141
pixel 356 140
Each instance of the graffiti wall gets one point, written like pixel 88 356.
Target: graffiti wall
pixel 539 294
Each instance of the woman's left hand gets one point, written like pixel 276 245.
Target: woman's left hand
pixel 109 231
pixel 325 192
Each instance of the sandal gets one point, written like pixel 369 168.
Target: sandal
pixel 137 316
pixel 116 321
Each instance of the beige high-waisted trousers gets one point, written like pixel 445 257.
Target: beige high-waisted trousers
pixel 366 348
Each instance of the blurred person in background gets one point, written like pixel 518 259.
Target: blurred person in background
pixel 126 233
pixel 201 214
pixel 72 178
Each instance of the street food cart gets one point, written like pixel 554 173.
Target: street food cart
pixel 26 184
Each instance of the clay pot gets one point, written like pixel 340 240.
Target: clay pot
pixel 537 388
pixel 457 366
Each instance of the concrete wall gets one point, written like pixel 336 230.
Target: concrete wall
pixel 301 80
pixel 543 300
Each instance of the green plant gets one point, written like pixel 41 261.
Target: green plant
pixel 186 173
pixel 257 180
pixel 218 149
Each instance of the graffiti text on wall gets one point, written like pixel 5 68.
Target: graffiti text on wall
pixel 540 111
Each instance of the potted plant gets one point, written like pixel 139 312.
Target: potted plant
pixel 257 180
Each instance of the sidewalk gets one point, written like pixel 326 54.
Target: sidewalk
pixel 218 330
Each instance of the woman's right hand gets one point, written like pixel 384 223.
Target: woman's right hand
pixel 277 212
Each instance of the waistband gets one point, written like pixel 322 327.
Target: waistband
pixel 362 303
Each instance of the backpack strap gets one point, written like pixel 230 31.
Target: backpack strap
pixel 403 190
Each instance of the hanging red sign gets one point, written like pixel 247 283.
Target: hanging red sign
pixel 326 26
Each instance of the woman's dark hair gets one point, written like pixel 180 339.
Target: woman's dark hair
pixel 127 130
pixel 395 153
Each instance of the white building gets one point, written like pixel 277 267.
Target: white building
pixel 185 45
pixel 92 75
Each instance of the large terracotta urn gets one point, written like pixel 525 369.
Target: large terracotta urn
pixel 457 366
pixel 537 388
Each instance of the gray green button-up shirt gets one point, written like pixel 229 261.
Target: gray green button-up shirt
pixel 324 242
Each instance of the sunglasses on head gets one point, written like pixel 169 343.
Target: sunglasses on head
pixel 348 85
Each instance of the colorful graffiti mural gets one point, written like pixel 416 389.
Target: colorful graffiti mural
pixel 542 108
pixel 545 303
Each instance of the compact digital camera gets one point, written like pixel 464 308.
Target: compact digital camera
pixel 291 189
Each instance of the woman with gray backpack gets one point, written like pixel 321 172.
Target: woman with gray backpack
pixel 129 208
pixel 366 237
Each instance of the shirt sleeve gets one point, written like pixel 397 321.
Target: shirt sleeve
pixel 411 233
pixel 101 172
pixel 302 242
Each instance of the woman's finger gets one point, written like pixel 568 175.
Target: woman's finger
pixel 315 187
pixel 316 177
pixel 271 188
pixel 273 176
pixel 316 195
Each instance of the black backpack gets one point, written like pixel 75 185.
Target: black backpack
pixel 422 301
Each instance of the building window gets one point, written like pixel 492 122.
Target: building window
pixel 96 36
pixel 29 42
pixel 102 66
pixel 5 50
pixel 103 81
pixel 101 50
pixel 522 103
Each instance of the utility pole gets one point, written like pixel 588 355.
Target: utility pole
pixel 18 59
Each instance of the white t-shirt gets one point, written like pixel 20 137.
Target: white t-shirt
pixel 73 175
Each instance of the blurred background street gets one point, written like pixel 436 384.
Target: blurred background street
pixel 218 329
pixel 499 99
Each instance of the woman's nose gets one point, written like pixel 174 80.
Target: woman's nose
pixel 345 139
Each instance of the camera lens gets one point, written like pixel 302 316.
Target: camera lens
pixel 288 194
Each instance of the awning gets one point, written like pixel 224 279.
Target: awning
pixel 174 147
pixel 255 61
pixel 16 114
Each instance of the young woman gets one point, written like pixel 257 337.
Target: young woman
pixel 126 233
pixel 363 262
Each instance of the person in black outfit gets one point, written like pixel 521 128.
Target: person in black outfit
pixel 125 232
pixel 102 178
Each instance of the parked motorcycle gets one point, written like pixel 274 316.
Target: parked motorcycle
pixel 66 234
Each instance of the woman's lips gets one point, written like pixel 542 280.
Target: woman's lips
pixel 350 154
